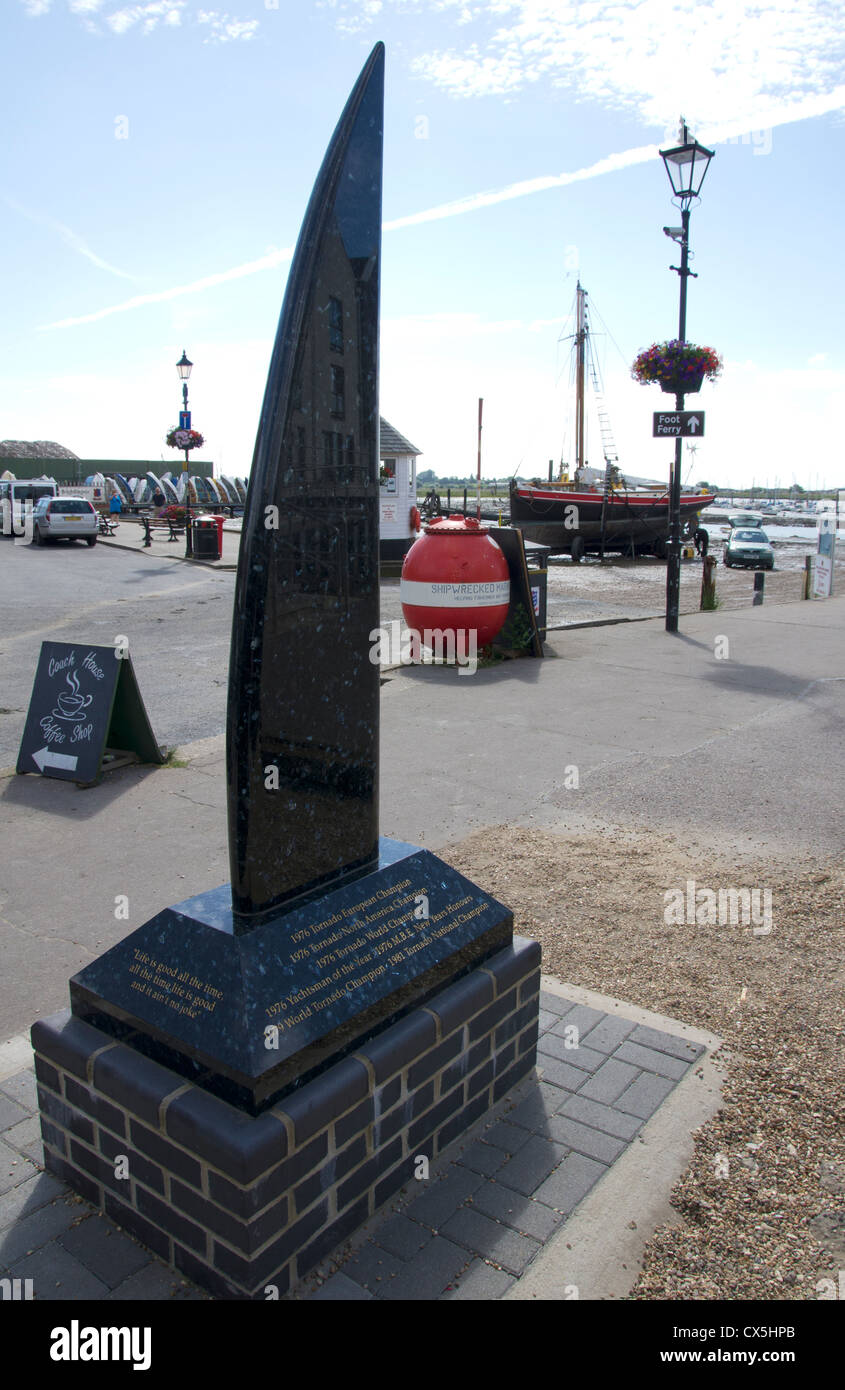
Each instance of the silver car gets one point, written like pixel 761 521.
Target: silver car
pixel 749 547
pixel 66 518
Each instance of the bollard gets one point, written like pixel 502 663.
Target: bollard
pixel 759 586
pixel 708 583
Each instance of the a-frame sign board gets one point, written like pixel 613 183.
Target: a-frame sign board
pixel 85 704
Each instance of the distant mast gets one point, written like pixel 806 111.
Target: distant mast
pixel 580 362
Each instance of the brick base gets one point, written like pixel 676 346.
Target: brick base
pixel 239 1203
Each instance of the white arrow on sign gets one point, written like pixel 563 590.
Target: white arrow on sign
pixel 45 758
pixel 694 423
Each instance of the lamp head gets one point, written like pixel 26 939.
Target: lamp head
pixel 686 165
pixel 183 366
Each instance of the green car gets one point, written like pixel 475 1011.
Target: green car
pixel 750 548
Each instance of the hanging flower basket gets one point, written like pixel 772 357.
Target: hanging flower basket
pixel 185 439
pixel 676 367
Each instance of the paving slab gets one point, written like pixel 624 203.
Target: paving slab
pixel 489 1222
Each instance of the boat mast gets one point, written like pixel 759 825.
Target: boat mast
pixel 580 360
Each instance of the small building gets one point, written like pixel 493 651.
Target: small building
pixel 397 495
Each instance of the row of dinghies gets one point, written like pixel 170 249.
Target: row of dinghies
pixel 153 490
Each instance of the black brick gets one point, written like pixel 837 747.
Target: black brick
pixel 517 1021
pixel 246 1201
pixel 137 1083
pixel 52 1135
pixel 401 1045
pixel 47 1074
pixel 421 1100
pixel 170 1220
pixel 508 1079
pixel 364 1177
pixel 486 1021
pixel 461 1000
pixel 80 1182
pixel 314 1106
pixel 98 1167
pixel 245 1236
pixel 65 1115
pixel 329 1174
pixel 138 1226
pixel 67 1041
pixel 514 962
pixel 356 1121
pixel 504 1057
pixel 250 1274
pixel 396 1120
pixel 147 1172
pixel 239 1145
pixel 390 1185
pixel 528 1041
pixel 173 1160
pixel 426 1127
pixel 461 1122
pixel 435 1060
pixel 189 1264
pixel 328 1240
pixel 481 1079
pixel 85 1099
pixel 386 1096
pixel 530 988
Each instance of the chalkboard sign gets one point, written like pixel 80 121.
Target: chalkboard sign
pixel 85 704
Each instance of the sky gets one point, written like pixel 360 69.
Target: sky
pixel 159 157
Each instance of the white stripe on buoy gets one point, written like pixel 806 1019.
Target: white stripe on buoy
pixel 425 594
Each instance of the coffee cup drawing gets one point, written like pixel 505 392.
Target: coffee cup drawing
pixel 71 706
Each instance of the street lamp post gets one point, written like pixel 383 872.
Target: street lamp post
pixel 686 164
pixel 183 367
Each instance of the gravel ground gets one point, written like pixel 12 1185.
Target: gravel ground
pixel 762 1204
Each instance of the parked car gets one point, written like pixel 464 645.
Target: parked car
pixel 749 548
pixel 64 517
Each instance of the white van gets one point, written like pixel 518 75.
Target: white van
pixel 19 495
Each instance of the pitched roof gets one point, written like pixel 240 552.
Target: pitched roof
pixel 392 442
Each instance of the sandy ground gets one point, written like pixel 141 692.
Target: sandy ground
pixel 761 1209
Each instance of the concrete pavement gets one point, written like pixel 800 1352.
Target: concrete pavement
pixel 723 732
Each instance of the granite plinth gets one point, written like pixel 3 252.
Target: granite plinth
pixel 245 1205
pixel 251 1016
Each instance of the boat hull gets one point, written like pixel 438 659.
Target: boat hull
pixel 554 517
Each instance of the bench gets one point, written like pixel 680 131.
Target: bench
pixel 150 524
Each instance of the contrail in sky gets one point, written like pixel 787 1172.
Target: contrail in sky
pixel 624 159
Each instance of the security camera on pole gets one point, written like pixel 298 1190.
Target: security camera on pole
pixel 686 164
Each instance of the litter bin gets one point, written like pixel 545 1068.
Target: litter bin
pixel 219 518
pixel 206 538
pixel 536 559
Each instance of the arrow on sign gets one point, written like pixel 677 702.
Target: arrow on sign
pixel 694 423
pixel 44 758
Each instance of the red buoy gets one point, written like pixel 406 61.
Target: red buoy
pixel 455 579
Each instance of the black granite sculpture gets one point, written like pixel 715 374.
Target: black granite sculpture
pixel 302 729
pixel 327 933
pixel 253 1073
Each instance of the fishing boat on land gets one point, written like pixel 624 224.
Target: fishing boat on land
pixel 599 511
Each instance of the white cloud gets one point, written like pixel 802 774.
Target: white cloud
pixel 712 59
pixel 223 29
pixel 35 8
pixel 149 16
